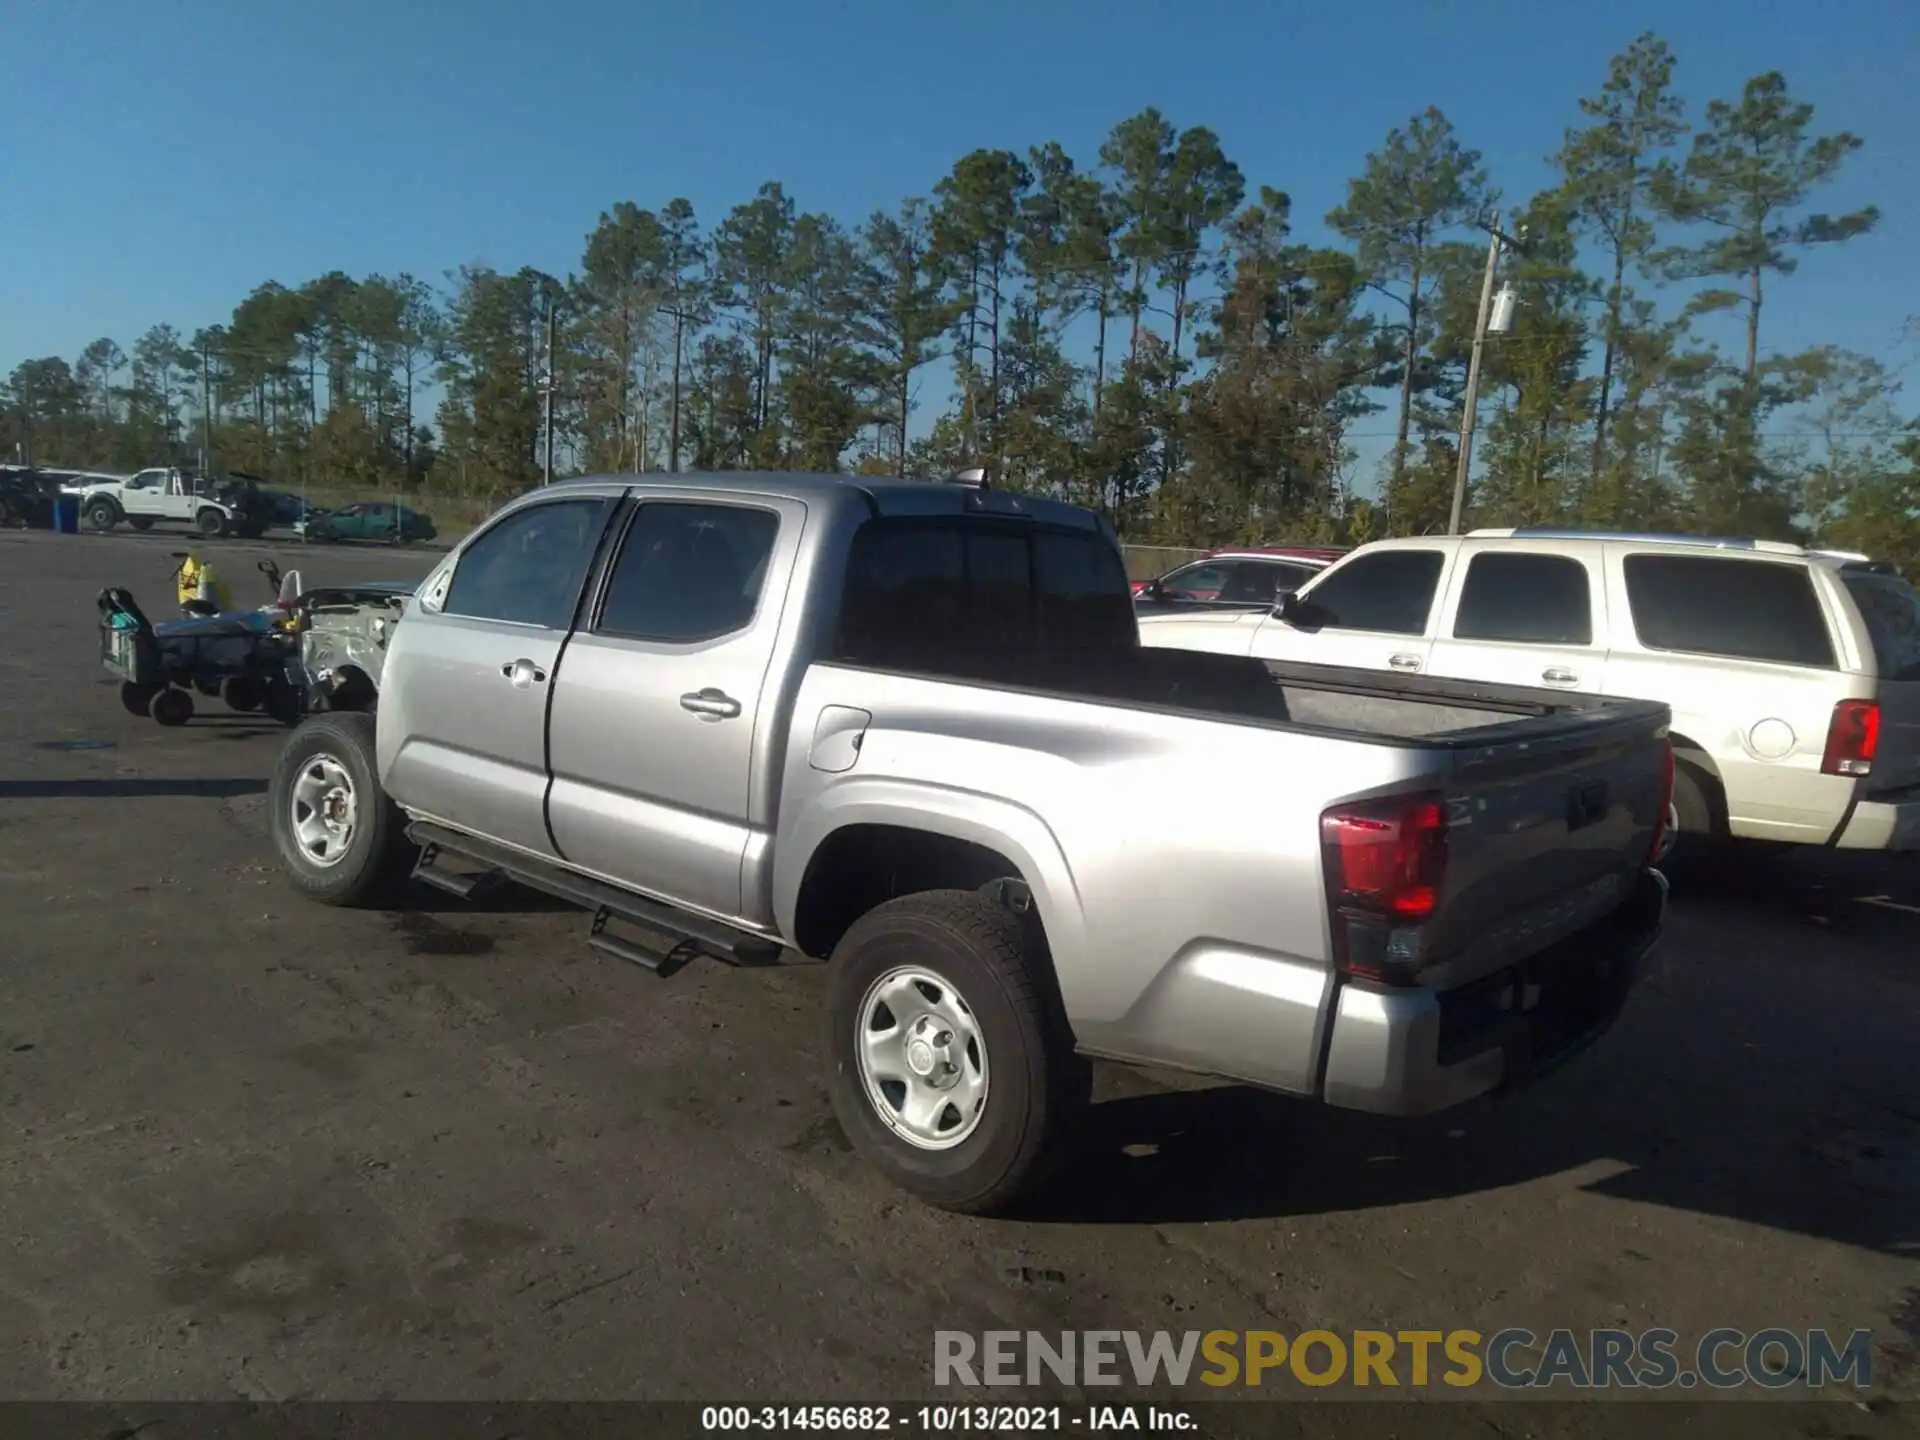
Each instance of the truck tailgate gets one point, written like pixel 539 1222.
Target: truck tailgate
pixel 1896 761
pixel 1547 831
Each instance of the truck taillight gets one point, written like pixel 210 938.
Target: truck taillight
pixel 1385 862
pixel 1662 815
pixel 1852 738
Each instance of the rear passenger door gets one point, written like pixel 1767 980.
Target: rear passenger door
pixel 467 722
pixel 1374 611
pixel 663 740
pixel 1524 617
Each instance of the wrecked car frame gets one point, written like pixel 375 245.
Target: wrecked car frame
pixel 344 630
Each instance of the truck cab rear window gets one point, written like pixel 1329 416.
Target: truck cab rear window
pixel 1740 609
pixel 922 590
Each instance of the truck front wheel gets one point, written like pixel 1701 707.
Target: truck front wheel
pixel 952 1067
pixel 340 839
pixel 103 515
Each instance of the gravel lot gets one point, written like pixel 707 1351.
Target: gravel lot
pixel 255 1149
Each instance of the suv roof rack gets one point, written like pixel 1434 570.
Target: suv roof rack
pixel 1658 537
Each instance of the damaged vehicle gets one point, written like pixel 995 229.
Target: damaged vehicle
pixel 344 630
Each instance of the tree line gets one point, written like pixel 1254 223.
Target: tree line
pixel 1141 333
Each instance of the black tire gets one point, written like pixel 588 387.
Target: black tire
pixel 102 515
pixel 172 706
pixel 136 698
pixel 210 522
pixel 242 693
pixel 1691 802
pixel 377 858
pixel 1037 1085
pixel 140 522
pixel 284 701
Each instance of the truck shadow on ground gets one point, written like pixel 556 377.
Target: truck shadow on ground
pixel 1761 1073
pixel 128 788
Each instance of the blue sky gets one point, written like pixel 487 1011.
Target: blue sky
pixel 157 161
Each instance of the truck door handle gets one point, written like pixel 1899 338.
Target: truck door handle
pixel 1404 662
pixel 1554 675
pixel 523 672
pixel 710 704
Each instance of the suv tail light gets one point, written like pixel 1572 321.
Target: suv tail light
pixel 1385 861
pixel 1852 738
pixel 1666 806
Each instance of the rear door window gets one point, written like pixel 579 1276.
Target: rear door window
pixel 688 572
pixel 1525 599
pixel 1736 608
pixel 1389 592
pixel 1891 609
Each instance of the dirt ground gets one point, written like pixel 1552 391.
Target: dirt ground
pixel 251 1149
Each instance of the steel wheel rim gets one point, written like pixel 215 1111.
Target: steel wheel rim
pixel 324 810
pixel 922 1058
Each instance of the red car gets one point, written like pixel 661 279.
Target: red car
pixel 1256 575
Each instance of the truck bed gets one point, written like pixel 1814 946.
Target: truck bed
pixel 1322 699
pixel 1217 768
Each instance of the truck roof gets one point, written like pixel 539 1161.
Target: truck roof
pixel 883 495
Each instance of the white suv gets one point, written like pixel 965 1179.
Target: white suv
pixel 1793 674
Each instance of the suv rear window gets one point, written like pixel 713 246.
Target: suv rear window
pixel 1741 609
pixel 926 589
pixel 1891 609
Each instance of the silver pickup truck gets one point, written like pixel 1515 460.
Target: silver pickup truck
pixel 908 729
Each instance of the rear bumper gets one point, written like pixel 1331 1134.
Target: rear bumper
pixel 1411 1052
pixel 1883 825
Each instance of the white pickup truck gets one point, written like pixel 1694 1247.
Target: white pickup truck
pixel 171 495
pixel 908 730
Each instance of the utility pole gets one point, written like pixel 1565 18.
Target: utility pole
pixel 206 408
pixel 546 391
pixel 1481 326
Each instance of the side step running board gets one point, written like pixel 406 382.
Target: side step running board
pixel 685 936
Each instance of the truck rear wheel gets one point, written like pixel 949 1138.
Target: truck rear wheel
pixel 210 522
pixel 340 839
pixel 952 1068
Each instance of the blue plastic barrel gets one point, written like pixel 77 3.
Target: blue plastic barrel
pixel 66 514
